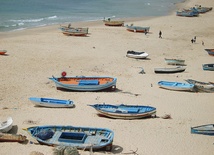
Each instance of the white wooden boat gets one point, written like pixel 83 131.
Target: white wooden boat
pixel 207 129
pixel 125 111
pixel 170 70
pixel 137 55
pixel 51 102
pixel 176 86
pixel 6 125
pixel 179 62
pixel 139 29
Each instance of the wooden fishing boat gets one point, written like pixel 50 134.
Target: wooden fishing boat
pixel 187 13
pixel 110 22
pixel 51 102
pixel 170 70
pixel 210 51
pixel 6 125
pixel 202 86
pixel 6 137
pixel 179 62
pixel 203 129
pixel 79 137
pixel 73 29
pixel 85 83
pixel 3 52
pixel 137 55
pixel 176 86
pixel 139 29
pixel 75 33
pixel 125 111
pixel 208 67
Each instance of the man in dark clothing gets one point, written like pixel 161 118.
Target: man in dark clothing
pixel 160 34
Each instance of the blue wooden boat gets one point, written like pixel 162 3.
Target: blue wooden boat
pixel 85 83
pixel 176 86
pixel 79 137
pixel 210 51
pixel 140 29
pixel 124 111
pixel 208 67
pixel 187 13
pixel 203 129
pixel 51 102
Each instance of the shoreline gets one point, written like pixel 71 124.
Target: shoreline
pixel 34 55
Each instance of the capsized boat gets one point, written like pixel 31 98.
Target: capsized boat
pixel 123 111
pixel 80 137
pixel 170 70
pixel 51 102
pixel 137 55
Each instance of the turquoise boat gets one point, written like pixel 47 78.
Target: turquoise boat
pixel 208 67
pixel 203 129
pixel 176 86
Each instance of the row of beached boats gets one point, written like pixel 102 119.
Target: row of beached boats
pixel 193 11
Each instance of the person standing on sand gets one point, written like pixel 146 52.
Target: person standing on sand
pixel 160 34
pixel 194 39
pixel 202 42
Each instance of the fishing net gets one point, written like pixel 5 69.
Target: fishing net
pixel 45 134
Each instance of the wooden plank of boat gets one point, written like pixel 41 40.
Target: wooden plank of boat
pixel 208 67
pixel 176 86
pixel 170 70
pixel 207 129
pixel 202 86
pixel 79 137
pixel 3 52
pixel 137 55
pixel 139 29
pixel 85 83
pixel 6 137
pixel 51 102
pixel 125 111
pixel 210 51
pixel 7 125
pixel 179 62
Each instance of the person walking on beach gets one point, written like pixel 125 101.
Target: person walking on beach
pixel 194 39
pixel 160 34
pixel 146 32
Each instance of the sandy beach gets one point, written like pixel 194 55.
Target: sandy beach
pixel 34 55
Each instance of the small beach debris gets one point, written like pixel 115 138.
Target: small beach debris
pixel 36 153
pixel 132 152
pixel 142 71
pixel 30 122
pixel 5 108
pixel 166 116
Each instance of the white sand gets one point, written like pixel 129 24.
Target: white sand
pixel 36 54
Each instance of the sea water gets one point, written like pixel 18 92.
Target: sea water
pixel 23 14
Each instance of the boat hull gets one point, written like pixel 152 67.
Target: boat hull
pixel 51 103
pixel 73 83
pixel 175 62
pixel 79 137
pixel 210 51
pixel 169 70
pixel 3 52
pixel 208 67
pixel 113 23
pixel 176 86
pixel 6 125
pixel 138 29
pixel 137 55
pixel 124 111
pixel 203 129
pixel 202 86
